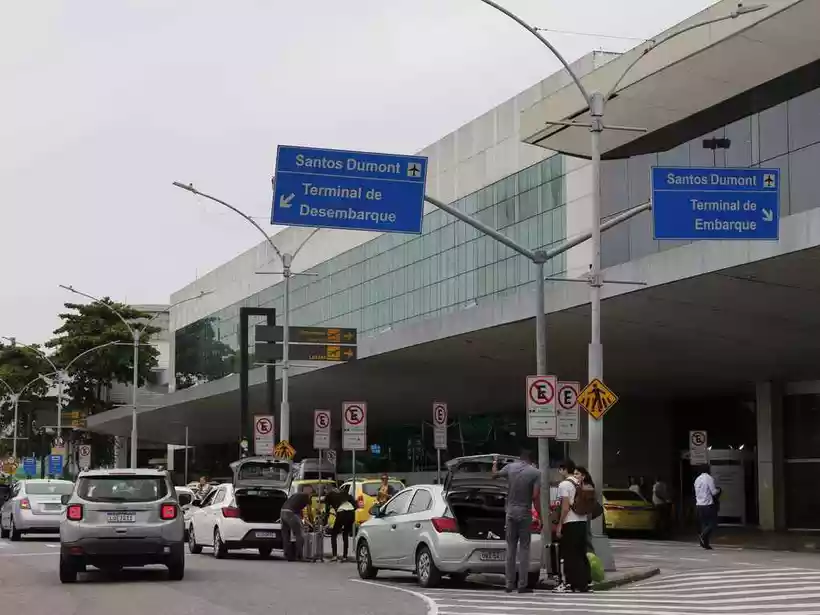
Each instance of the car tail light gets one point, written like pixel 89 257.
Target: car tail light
pixel 168 512
pixel 74 512
pixel 230 512
pixel 445 525
pixel 25 504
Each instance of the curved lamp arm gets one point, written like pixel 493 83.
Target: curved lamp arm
pixel 34 349
pixel 95 300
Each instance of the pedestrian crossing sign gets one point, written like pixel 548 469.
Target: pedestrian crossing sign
pixel 284 450
pixel 597 399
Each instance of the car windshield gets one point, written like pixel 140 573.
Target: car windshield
pixel 622 495
pixel 122 488
pixel 372 489
pixel 49 488
pixel 265 471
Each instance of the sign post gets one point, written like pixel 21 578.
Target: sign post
pixel 568 413
pixel 698 448
pixel 328 188
pixel 84 456
pixel 354 432
pixel 541 421
pixel 263 434
pixel 710 203
pixel 439 433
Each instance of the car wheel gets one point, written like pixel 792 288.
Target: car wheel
pixel 68 572
pixel 176 565
pixel 428 573
pixel 364 563
pixel 264 552
pixel 458 577
pixel 220 550
pixel 14 533
pixel 193 547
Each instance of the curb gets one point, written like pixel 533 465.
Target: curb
pixel 626 579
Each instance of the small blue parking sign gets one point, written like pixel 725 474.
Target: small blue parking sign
pixel 55 465
pixel 30 466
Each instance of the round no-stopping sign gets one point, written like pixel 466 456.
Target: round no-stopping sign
pixel 568 395
pixel 264 426
pixel 322 419
pixel 698 438
pixel 354 415
pixel 439 414
pixel 85 451
pixel 541 392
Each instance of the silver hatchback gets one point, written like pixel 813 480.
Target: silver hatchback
pixel 122 518
pixel 33 507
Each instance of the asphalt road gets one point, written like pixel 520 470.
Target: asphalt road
pixel 693 582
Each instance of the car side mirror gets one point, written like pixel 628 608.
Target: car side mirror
pixel 376 510
pixel 65 499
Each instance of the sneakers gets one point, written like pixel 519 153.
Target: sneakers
pixel 563 588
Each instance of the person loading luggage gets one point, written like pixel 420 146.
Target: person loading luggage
pixel 292 522
pixel 345 507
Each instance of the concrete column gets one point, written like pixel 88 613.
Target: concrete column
pixel 770 467
pixel 121 453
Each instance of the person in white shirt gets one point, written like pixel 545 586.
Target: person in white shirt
pixel 571 531
pixel 706 494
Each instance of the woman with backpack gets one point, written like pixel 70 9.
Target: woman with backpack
pixel 578 502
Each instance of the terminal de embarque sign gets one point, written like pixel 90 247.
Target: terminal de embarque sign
pixel 349 190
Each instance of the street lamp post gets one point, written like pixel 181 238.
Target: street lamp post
pixel 287 273
pixel 58 373
pixel 15 399
pixel 135 337
pixel 596 101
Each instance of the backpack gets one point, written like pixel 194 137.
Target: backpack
pixel 585 502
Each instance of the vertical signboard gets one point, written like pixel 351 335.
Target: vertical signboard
pixel 568 413
pixel 698 448
pixel 321 430
pixel 55 465
pixel 354 426
pixel 440 425
pixel 84 456
pixel 541 422
pixel 263 435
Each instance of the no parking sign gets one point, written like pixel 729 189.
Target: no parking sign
pixel 321 429
pixel 354 426
pixel 440 425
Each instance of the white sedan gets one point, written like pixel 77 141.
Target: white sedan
pixel 455 530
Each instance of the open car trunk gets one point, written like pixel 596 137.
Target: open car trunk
pixel 476 498
pixel 263 505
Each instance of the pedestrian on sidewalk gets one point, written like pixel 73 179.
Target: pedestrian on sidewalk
pixel 292 522
pixel 344 506
pixel 577 504
pixel 706 504
pixel 523 494
pixel 663 505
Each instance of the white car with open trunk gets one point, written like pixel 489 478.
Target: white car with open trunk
pixel 243 514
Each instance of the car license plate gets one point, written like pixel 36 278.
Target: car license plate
pixel 266 534
pixel 492 556
pixel 122 517
pixel 52 506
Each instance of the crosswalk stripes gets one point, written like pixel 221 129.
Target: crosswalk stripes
pixel 795 591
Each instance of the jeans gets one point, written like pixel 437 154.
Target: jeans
pixel 519 536
pixel 292 526
pixel 707 517
pixel 343 524
pixel 574 541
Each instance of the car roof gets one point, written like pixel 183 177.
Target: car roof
pixel 122 472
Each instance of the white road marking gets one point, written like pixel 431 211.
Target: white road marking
pixel 432 607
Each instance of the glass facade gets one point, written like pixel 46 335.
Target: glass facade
pixel 396 279
pixel 786 137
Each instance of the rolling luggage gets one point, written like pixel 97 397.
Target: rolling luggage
pixel 554 558
pixel 314 546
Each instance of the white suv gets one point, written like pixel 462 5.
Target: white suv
pixel 121 518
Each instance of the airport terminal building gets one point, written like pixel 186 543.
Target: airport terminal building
pixel 720 336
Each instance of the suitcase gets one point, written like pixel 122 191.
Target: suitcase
pixel 554 555
pixel 314 546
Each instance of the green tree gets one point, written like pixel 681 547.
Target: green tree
pixel 19 366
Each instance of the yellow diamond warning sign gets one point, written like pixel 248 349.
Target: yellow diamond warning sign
pixel 597 399
pixel 284 450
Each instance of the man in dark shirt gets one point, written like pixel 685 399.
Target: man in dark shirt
pixel 345 507
pixel 292 522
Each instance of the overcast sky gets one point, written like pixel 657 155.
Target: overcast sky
pixel 106 102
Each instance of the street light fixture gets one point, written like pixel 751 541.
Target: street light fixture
pixel 15 399
pixel 136 332
pixel 287 272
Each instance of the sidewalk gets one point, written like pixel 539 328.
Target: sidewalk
pixel 752 538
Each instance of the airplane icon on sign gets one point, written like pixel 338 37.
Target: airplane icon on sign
pixel 414 169
pixel 768 181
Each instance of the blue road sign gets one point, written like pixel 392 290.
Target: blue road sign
pixel 363 191
pixel 29 466
pixel 55 465
pixel 711 203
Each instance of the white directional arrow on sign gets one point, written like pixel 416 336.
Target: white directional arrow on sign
pixel 768 215
pixel 285 201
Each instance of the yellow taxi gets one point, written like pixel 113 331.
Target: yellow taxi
pixel 320 488
pixel 366 491
pixel 625 510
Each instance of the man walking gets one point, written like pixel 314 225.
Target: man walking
pixel 706 494
pixel 523 492
pixel 571 530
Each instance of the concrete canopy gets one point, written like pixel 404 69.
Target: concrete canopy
pixel 715 317
pixel 680 79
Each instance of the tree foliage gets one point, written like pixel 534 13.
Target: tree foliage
pixel 87 326
pixel 19 370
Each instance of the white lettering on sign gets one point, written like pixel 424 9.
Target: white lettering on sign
pixel 350 164
pixel 739 226
pixel 379 217
pixel 712 179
